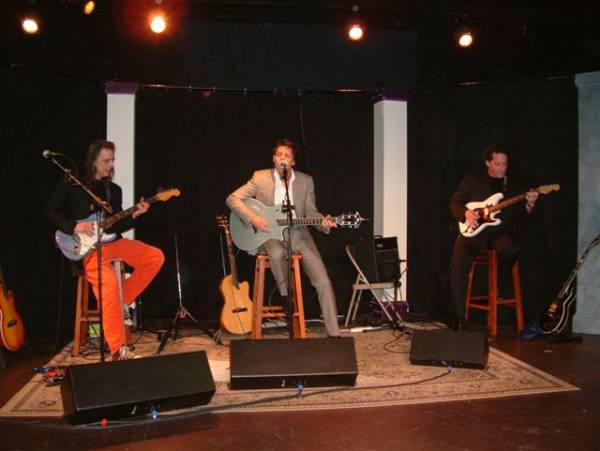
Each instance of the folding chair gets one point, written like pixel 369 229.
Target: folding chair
pixel 377 290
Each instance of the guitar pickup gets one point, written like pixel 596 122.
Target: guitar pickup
pixel 239 310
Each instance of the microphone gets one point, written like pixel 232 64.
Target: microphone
pixel 283 166
pixel 49 154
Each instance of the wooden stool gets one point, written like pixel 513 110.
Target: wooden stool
pixel 261 311
pixel 84 314
pixel 489 258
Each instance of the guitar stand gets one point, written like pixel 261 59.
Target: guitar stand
pixel 183 312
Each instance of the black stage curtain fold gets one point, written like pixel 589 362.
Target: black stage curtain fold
pixel 209 143
pixel 38 112
pixel 448 130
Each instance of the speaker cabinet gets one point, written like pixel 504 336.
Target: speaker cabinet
pixel 312 362
pixel 129 387
pixel 379 259
pixel 467 349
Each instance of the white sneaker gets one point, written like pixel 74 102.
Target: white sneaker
pixel 124 354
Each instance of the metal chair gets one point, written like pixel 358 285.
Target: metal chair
pixel 378 290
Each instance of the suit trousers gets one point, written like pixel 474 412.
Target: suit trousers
pixel 145 260
pixel 313 265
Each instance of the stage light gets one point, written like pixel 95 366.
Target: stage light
pixel 355 31
pixel 88 7
pixel 30 25
pixel 158 22
pixel 465 39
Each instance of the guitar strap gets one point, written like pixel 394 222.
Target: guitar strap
pixel 504 182
pixel 107 190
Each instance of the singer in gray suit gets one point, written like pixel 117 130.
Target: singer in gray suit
pixel 268 186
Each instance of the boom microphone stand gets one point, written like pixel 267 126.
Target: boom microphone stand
pixel 182 312
pixel 100 207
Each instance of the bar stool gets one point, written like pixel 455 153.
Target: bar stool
pixel 490 301
pixel 261 311
pixel 85 314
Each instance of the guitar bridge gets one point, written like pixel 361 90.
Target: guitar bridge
pixel 239 310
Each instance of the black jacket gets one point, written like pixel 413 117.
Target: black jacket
pixel 478 186
pixel 69 204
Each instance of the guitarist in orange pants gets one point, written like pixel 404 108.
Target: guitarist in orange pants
pixel 479 186
pixel 67 208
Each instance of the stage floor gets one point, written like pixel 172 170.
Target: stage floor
pixel 566 420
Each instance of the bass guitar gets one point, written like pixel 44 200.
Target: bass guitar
pixel 556 317
pixel 247 237
pixel 75 247
pixel 12 330
pixel 489 208
pixel 236 315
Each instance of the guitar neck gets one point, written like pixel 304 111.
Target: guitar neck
pixel 506 203
pixel 232 265
pixel 111 220
pixel 304 221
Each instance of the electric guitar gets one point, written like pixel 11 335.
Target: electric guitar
pixel 556 317
pixel 489 208
pixel 12 330
pixel 75 247
pixel 247 237
pixel 236 315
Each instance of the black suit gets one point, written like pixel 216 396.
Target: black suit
pixel 477 187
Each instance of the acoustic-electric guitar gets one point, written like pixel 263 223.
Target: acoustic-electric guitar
pixel 236 315
pixel 12 330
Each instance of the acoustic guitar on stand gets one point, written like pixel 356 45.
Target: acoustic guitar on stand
pixel 12 330
pixel 236 315
pixel 489 208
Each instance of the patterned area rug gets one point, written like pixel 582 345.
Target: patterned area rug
pixel 386 377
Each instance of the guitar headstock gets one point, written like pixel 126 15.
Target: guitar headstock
pixel 222 222
pixel 166 194
pixel 351 220
pixel 545 189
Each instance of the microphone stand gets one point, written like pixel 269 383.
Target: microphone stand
pixel 288 208
pixel 100 206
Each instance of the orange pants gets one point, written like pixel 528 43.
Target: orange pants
pixel 145 260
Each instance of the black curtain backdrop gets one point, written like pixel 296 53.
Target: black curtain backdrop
pixel 448 129
pixel 208 143
pixel 40 112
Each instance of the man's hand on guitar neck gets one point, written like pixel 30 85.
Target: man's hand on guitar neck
pixel 531 197
pixel 142 207
pixel 260 223
pixel 328 222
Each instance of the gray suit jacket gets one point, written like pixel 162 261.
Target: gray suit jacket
pixel 262 187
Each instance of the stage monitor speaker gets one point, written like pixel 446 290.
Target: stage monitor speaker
pixel 378 258
pixel 467 349
pixel 312 362
pixel 132 387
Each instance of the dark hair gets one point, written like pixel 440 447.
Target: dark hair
pixel 93 151
pixel 287 143
pixel 491 149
